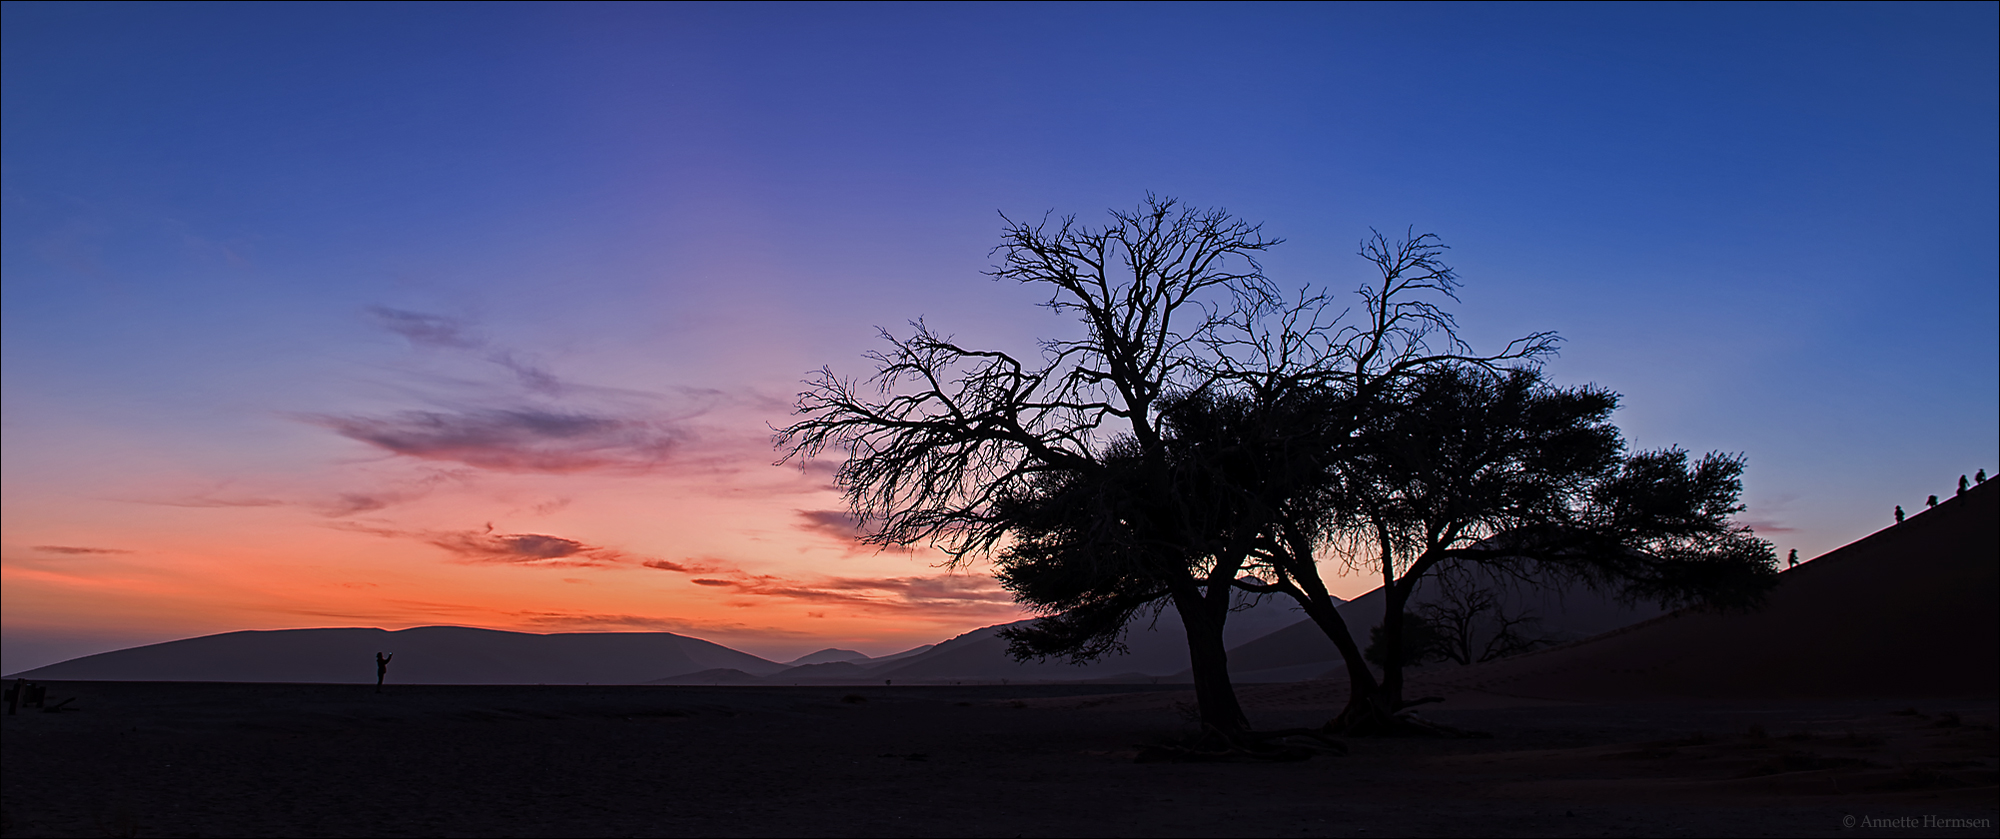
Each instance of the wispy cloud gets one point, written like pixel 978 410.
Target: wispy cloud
pixel 1770 514
pixel 836 523
pixel 213 501
pixel 689 567
pixel 390 493
pixel 896 594
pixel 533 550
pixel 530 376
pixel 1766 525
pixel 514 440
pixel 531 420
pixel 844 530
pixel 427 331
pixel 422 330
pixel 72 550
pixel 923 594
pixel 349 503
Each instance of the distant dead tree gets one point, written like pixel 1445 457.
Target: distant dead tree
pixel 1471 625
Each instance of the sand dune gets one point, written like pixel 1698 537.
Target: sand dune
pixel 423 655
pixel 1912 610
pixel 1157 650
pixel 1302 650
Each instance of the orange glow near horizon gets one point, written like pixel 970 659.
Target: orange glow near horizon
pixel 758 558
pixel 699 556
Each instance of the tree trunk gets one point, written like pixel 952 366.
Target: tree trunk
pixel 1389 697
pixel 1361 683
pixel 1379 713
pixel 1310 591
pixel 1220 713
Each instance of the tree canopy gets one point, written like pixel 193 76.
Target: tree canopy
pixel 978 452
pixel 1466 465
pixel 1207 426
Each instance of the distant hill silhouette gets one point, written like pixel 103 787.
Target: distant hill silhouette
pixel 424 655
pixel 1269 640
pixel 1157 650
pixel 1911 610
pixel 827 655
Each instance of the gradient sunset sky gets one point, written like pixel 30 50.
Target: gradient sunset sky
pixel 396 315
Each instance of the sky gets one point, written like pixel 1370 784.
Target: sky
pixel 482 314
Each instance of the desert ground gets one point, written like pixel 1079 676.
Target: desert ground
pixel 184 759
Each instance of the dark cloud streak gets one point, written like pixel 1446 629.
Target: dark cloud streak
pixel 893 594
pixel 71 550
pixel 680 567
pixel 513 440
pixel 533 550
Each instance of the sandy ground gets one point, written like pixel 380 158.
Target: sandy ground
pixel 338 760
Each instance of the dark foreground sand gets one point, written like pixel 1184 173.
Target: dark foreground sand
pixel 337 760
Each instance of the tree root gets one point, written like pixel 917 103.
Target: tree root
pixel 1367 720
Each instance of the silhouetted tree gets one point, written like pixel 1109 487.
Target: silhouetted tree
pixel 1465 465
pixel 1465 624
pixel 1422 642
pixel 1470 625
pixel 1255 456
pixel 1062 460
pixel 1112 477
pixel 1288 397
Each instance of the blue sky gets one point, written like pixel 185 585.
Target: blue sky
pixel 235 234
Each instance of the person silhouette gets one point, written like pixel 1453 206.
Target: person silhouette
pixel 1979 478
pixel 1932 502
pixel 1793 559
pixel 1961 485
pixel 381 669
pixel 1899 514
